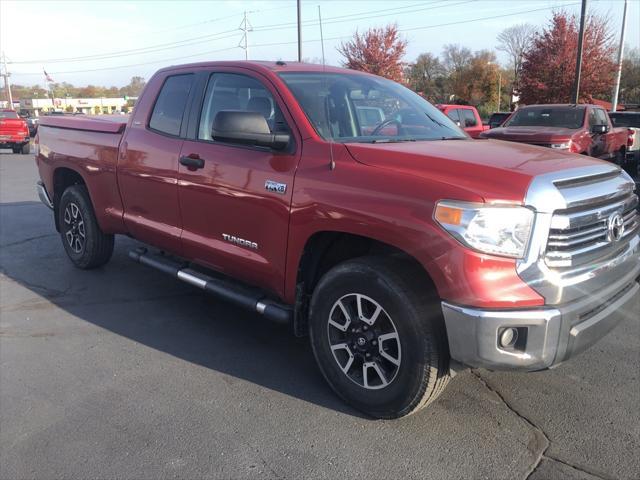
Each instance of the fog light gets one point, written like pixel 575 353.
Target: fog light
pixel 509 337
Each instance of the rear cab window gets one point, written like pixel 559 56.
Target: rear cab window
pixel 170 106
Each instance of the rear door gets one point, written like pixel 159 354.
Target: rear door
pixel 454 115
pixel 235 207
pixel 148 163
pixel 470 123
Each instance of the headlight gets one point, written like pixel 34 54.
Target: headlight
pixel 561 146
pixel 493 229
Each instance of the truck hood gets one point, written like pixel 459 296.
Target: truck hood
pixel 492 170
pixel 531 134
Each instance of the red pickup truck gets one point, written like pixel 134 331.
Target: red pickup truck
pixel 584 129
pixel 14 132
pixel 466 117
pixel 404 249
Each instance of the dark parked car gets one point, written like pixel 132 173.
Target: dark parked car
pixel 497 118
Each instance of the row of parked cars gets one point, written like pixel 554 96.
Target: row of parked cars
pixel 586 129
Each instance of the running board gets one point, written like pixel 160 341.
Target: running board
pixel 248 298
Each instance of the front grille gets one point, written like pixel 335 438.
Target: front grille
pixel 579 235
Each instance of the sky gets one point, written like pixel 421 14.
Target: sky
pixel 107 42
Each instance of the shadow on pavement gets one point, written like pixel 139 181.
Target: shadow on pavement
pixel 156 310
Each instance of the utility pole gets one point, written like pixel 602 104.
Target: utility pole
pixel 576 85
pixel 246 27
pixel 5 74
pixel 300 33
pixel 499 86
pixel 616 86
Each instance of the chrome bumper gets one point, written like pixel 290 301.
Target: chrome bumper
pixel 552 334
pixel 43 195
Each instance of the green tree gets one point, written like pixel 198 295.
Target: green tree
pixel 630 78
pixel 427 77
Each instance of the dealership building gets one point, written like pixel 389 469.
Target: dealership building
pixel 35 107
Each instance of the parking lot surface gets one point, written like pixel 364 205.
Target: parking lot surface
pixel 122 372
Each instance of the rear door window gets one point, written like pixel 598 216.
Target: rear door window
pixel 601 115
pixel 469 118
pixel 171 103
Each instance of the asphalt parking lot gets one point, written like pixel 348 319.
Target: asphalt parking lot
pixel 122 372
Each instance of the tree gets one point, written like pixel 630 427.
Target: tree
pixel 630 78
pixel 134 88
pixel 378 51
pixel 515 41
pixel 456 61
pixel 548 70
pixel 427 76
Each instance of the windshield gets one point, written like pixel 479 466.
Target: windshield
pixel 357 108
pixel 8 114
pixel 560 117
pixel 625 119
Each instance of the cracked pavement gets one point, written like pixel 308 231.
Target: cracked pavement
pixel 124 372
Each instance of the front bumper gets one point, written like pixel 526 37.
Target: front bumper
pixel 552 334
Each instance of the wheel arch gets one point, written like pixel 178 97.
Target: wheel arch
pixel 327 248
pixel 63 178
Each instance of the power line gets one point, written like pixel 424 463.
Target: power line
pixel 424 27
pixel 217 36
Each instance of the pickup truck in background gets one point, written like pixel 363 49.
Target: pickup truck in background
pixel 584 129
pixel 14 132
pixel 402 247
pixel 497 119
pixel 466 117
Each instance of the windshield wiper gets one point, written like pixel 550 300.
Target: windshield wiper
pixel 453 138
pixel 393 140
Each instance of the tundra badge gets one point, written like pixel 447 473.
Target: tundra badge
pixel 275 187
pixel 240 241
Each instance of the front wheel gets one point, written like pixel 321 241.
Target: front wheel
pixel 378 336
pixel 86 245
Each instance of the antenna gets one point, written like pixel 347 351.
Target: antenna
pixel 332 163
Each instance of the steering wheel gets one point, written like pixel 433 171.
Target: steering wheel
pixel 386 123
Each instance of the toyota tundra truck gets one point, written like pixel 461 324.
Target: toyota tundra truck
pixel 404 250
pixel 583 128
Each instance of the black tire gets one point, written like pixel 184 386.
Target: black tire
pixel 16 149
pixel 412 305
pixel 86 245
pixel 26 148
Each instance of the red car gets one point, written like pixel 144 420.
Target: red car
pixel 14 132
pixel 402 247
pixel 466 117
pixel 583 128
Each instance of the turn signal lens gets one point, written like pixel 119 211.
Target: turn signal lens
pixel 448 215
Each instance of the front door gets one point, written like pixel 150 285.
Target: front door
pixel 235 201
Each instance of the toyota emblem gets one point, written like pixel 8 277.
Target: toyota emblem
pixel 615 227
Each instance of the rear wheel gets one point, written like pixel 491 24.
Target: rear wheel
pixel 86 245
pixel 378 336
pixel 16 149
pixel 26 148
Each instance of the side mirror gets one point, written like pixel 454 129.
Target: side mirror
pixel 246 128
pixel 599 129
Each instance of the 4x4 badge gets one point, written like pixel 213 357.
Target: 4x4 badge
pixel 275 187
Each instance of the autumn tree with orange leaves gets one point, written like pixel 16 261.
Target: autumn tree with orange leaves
pixel 548 70
pixel 378 51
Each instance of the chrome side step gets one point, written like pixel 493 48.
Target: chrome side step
pixel 229 290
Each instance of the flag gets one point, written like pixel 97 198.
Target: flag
pixel 47 77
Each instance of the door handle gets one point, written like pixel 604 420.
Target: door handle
pixel 192 162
